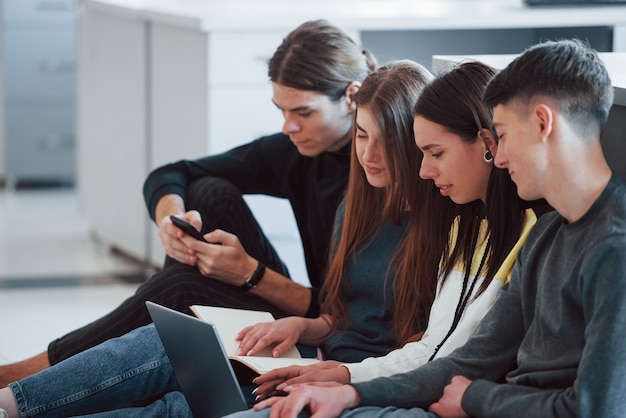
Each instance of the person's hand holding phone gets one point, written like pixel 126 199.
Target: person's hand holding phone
pixel 187 228
pixel 227 262
pixel 172 237
pixel 218 254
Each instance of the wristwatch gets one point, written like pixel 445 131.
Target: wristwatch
pixel 254 279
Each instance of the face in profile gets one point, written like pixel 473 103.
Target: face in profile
pixel 457 167
pixel 524 158
pixel 370 149
pixel 313 121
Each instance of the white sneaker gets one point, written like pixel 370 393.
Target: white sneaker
pixel 3 413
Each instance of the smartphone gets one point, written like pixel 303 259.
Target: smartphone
pixel 187 228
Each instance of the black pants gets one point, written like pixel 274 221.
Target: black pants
pixel 178 285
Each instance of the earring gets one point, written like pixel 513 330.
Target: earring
pixel 488 157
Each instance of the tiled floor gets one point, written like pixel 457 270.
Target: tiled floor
pixel 53 276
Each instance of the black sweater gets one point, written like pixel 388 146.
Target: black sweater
pixel 272 166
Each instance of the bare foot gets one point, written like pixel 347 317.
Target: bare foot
pixel 21 369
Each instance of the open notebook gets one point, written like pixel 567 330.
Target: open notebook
pixel 202 366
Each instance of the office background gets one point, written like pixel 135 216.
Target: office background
pixel 97 93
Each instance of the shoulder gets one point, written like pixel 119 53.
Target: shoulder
pixel 538 232
pixel 605 222
pixel 542 221
pixel 617 198
pixel 602 275
pixel 278 155
pixel 539 207
pixel 277 141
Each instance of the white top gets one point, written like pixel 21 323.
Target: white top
pixel 416 354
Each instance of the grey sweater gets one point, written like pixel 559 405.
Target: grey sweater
pixel 553 344
pixel 367 292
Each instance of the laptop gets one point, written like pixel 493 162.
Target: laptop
pixel 200 363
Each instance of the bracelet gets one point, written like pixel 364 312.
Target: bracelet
pixel 254 280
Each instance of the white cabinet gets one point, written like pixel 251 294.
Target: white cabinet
pixel 142 103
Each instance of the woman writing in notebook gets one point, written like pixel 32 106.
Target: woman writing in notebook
pixel 377 293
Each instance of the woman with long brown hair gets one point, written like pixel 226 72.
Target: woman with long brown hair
pixel 376 293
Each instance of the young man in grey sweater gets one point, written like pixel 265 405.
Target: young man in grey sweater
pixel 553 344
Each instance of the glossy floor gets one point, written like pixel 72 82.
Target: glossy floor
pixel 53 276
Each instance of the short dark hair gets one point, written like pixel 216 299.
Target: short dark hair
pixel 567 71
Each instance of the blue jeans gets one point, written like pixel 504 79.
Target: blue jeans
pixel 130 376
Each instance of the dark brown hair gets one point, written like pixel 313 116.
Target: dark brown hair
pixel 454 101
pixel 320 57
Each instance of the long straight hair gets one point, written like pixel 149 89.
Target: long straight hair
pixel 454 100
pixel 389 93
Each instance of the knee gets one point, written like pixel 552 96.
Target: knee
pixel 171 281
pixel 220 204
pixel 209 192
pixel 174 287
pixel 146 336
pixel 143 342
